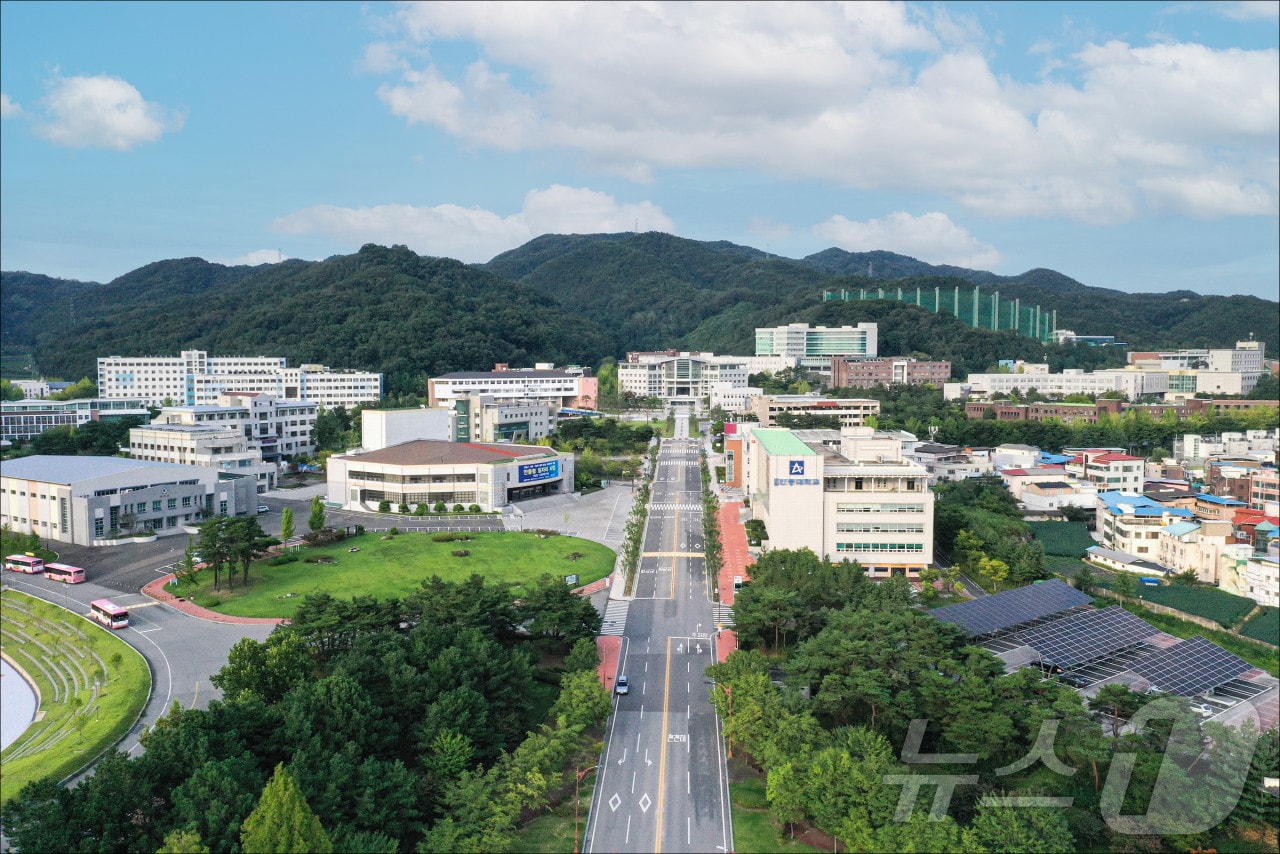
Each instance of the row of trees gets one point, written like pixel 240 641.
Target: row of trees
pixel 228 542
pixel 896 698
pixel 978 525
pixel 417 724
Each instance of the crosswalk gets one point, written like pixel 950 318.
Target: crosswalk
pixel 661 506
pixel 615 617
pixel 722 615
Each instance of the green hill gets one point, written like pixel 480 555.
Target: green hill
pixel 570 299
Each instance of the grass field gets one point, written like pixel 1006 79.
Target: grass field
pixel 1265 627
pixel 1068 539
pixel 384 567
pixel 1255 653
pixel 1222 607
pixel 92 688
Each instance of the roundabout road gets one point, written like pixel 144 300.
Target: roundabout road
pixel 182 651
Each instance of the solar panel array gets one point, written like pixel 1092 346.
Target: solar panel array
pixel 1086 636
pixel 1001 610
pixel 1191 667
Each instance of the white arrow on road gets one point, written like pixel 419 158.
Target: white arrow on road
pixel 647 760
pixel 624 756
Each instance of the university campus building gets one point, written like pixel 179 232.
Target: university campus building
pixel 195 378
pixel 83 500
pixel 426 472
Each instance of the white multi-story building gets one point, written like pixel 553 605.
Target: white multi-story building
pixel 569 388
pixel 1194 448
pixel 1132 523
pixel 732 398
pixel 851 411
pixel 223 447
pixel 23 420
pixel 278 428
pixel 770 364
pixel 685 379
pixel 482 418
pixel 1255 576
pixel 842 494
pixel 1131 382
pixel 814 346
pixel 1111 472
pixel 1196 546
pixel 195 379
pixel 382 428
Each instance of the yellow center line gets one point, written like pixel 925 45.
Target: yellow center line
pixel 662 756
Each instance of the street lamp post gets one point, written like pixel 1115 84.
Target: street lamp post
pixel 577 782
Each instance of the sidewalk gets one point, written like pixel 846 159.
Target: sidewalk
pixel 735 560
pixel 158 591
pixel 610 649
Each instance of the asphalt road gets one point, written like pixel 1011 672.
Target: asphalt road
pixel 182 651
pixel 663 785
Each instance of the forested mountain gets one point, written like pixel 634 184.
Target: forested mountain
pixel 568 299
pixel 381 309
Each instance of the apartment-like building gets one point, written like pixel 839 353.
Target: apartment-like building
pixel 814 346
pixel 569 388
pixel 85 500
pixel 23 420
pixel 279 429
pixel 1131 382
pixel 1264 491
pixel 842 494
pixel 1254 576
pixel 1131 523
pixel 866 373
pixel 851 412
pixel 680 379
pixel 40 389
pixel 1110 471
pixel 195 378
pixel 1196 546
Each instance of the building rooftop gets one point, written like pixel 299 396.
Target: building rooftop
pixel 50 468
pixel 508 375
pixel 423 452
pixel 1052 484
pixel 1116 458
pixel 778 442
pixel 1218 499
pixel 1178 529
pixel 1128 504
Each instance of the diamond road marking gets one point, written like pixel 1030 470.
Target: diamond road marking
pixel 615 802
pixel 645 803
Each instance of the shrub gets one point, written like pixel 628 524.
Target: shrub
pixel 359 529
pixel 281 560
pixel 460 553
pixel 546 532
pixel 474 508
pixel 324 536
pixel 457 508
pixel 404 509
pixel 421 510
pixel 384 506
pixel 394 531
pixel 451 537
pixel 439 507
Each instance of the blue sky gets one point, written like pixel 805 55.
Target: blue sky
pixel 1129 145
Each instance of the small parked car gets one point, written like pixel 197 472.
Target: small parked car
pixel 622 687
pixel 263 508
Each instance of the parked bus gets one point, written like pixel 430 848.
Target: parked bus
pixel 108 613
pixel 63 572
pixel 24 563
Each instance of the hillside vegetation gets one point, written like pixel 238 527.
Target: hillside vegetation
pixel 568 299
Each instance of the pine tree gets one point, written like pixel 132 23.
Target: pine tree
pixel 282 821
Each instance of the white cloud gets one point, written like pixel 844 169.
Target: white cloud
pixel 1247 10
pixel 253 259
pixel 931 237
pixel 102 112
pixel 8 107
pixel 867 95
pixel 475 234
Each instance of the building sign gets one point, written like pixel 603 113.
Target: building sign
pixel 796 481
pixel 796 467
pixel 539 471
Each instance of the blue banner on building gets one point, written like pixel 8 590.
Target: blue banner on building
pixel 539 471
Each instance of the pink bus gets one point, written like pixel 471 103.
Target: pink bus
pixel 63 572
pixel 108 613
pixel 24 563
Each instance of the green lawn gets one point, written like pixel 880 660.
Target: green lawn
pixel 1223 608
pixel 92 689
pixel 386 567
